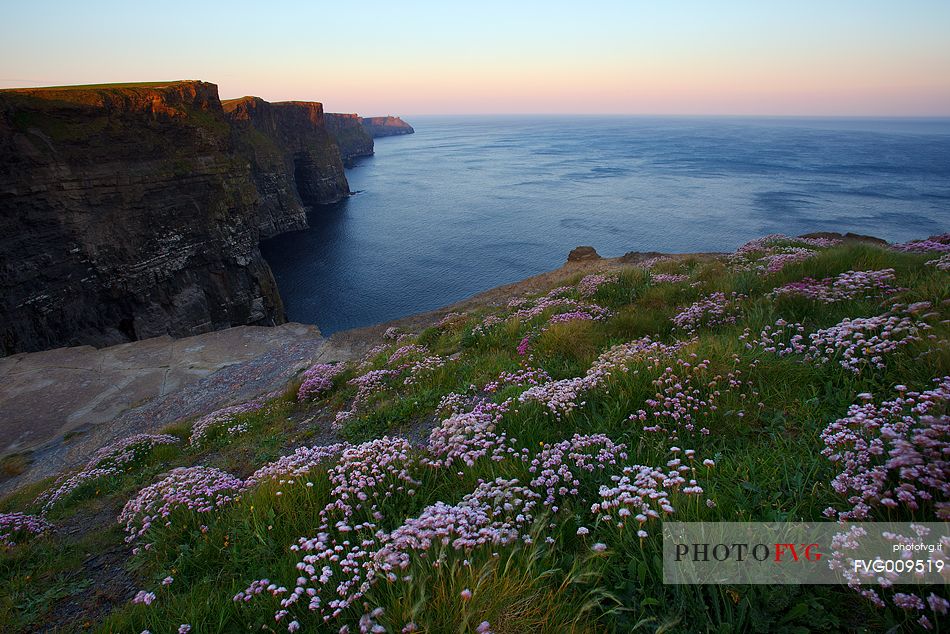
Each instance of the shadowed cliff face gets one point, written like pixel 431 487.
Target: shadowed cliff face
pixel 128 212
pixel 294 159
pixel 350 135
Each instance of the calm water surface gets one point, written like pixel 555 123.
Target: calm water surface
pixel 466 203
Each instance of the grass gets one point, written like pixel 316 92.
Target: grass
pixel 764 436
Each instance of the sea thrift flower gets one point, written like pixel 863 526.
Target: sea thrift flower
pixel 771 253
pixel 714 310
pixel 197 489
pixel 318 379
pixel 590 284
pixel 143 597
pixel 558 468
pixel 561 397
pixel 524 377
pixel 108 462
pixel 227 418
pixel 941 264
pixel 470 436
pixel 466 594
pixel 19 527
pixel 863 342
pixel 847 286
pixel 668 278
pixel 939 244
pixel 296 466
pixel 894 455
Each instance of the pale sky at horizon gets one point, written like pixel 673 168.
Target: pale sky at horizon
pixel 846 57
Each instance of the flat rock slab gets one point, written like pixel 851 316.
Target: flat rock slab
pixel 62 405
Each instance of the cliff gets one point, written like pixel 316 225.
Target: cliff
pixel 294 160
pixel 350 135
pixel 132 211
pixel 386 126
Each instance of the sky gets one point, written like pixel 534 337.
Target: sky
pixel 765 57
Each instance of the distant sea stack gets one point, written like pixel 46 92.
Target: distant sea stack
pixel 136 210
pixel 386 126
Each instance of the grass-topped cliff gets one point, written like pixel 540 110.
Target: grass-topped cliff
pixel 129 211
pixel 507 469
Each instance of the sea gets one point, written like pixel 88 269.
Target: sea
pixel 469 203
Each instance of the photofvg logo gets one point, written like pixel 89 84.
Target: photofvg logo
pixel 868 553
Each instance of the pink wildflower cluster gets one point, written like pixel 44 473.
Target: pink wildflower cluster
pixel 590 284
pixel 453 403
pixel 349 553
pixel 864 342
pixel 564 395
pixel 405 351
pixel 669 278
pixel 686 395
pixel 196 489
pixel 337 572
pixel 367 384
pixel 226 418
pixel 644 492
pixel 941 264
pixel 939 244
pixel 17 527
pixel 777 261
pixel 418 368
pixel 521 378
pixel 771 253
pixel 855 344
pixel 577 315
pixel 651 262
pixel 110 461
pixel 143 598
pixel 847 286
pixel 469 436
pixel 370 473
pixel 318 379
pixel 406 365
pixel 450 319
pixel 558 468
pixel 528 309
pixel 492 515
pixel 714 310
pixel 783 339
pixel 893 455
pixel 845 543
pixel 296 466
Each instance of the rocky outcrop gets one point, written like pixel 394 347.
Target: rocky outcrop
pixel 351 137
pixel 583 254
pixel 386 126
pixel 133 211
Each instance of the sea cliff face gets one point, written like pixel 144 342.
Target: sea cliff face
pixel 386 126
pixel 350 135
pixel 132 211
